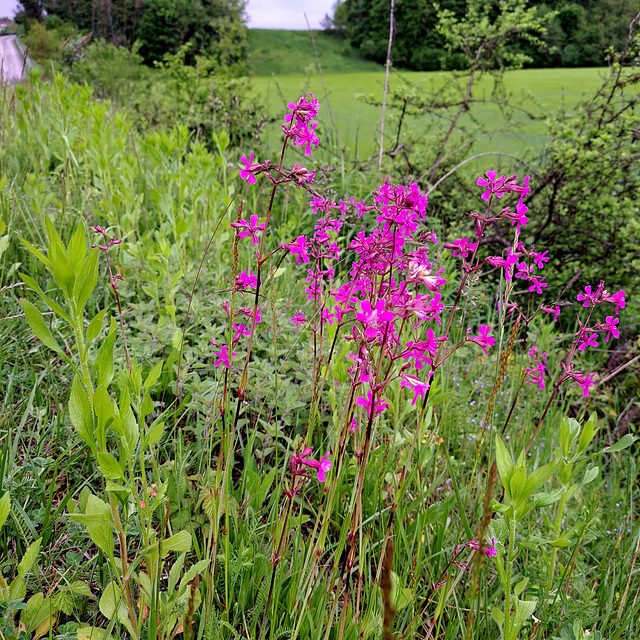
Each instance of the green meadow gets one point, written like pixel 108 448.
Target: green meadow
pixel 542 92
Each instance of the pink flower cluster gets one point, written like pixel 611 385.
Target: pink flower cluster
pixel 322 466
pixel 298 125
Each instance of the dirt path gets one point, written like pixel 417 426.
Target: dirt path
pixel 11 63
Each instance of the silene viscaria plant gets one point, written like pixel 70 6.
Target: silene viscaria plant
pixel 384 310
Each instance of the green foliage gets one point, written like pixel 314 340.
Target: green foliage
pixel 578 34
pixel 214 28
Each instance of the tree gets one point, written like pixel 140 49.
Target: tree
pixel 215 28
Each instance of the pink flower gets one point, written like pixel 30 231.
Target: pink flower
pixel 588 297
pixel 590 340
pixel 248 172
pixel 555 312
pixel 323 466
pixel 618 300
pixel 299 248
pixel 419 388
pixel 540 258
pixel 537 284
pixel 584 381
pixel 373 317
pixel 461 247
pixel 246 280
pixel 249 228
pixel 298 318
pixel 378 406
pixel 303 110
pixel 484 340
pixel 492 183
pixel 610 327
pixel 223 356
pixel 536 375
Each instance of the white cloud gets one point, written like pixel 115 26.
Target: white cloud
pixel 286 14
pixel 8 7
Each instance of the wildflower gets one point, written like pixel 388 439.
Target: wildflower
pixel 484 340
pixel 373 317
pixel 584 381
pixel 555 312
pixel 540 258
pixel 299 248
pixel 422 274
pixel 303 110
pixel 610 327
pixel 377 406
pixel 536 374
pixel 618 300
pixel 298 318
pixel 249 228
pixel 223 356
pixel 492 183
pixel 323 466
pixel 248 173
pixel 588 340
pixel 246 280
pixel 537 284
pixel 153 492
pixel 300 175
pixel 419 388
pixel 461 247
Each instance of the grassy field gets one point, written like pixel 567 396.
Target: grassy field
pixel 280 53
pixel 150 440
pixel 542 92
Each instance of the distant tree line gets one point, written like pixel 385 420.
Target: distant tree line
pixel 212 28
pixel 579 32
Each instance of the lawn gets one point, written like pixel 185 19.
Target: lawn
pixel 543 92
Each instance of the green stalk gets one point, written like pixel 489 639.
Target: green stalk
pixel 510 559
pixel 556 529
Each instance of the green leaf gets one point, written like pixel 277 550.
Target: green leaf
pixel 544 499
pixel 521 586
pixel 153 435
pixel 175 572
pixel 498 616
pixel 92 633
pixel 560 542
pixel 194 570
pixel 52 304
pixel 523 611
pixel 61 269
pixel 112 604
pixel 623 443
pixel 103 409
pixel 504 464
pixel 29 558
pixel 45 261
pixel 537 478
pixel 93 330
pixel 591 475
pixel 100 529
pixel 5 507
pixel 85 283
pixel 517 484
pixel 104 359
pixel 109 466
pixel 588 432
pixel 121 491
pixel 80 588
pixel 180 543
pixel 77 250
pixel 81 415
pixel 400 596
pixel 39 328
pixel 153 376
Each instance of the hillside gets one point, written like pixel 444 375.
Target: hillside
pixel 286 53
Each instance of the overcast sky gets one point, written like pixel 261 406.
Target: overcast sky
pixel 263 14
